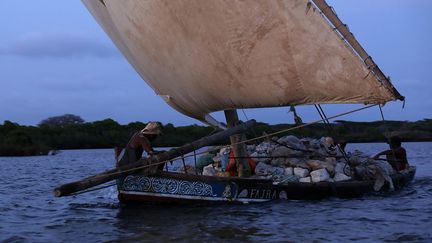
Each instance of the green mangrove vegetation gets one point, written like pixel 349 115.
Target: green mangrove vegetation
pixel 72 132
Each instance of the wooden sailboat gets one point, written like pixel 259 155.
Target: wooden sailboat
pixel 207 56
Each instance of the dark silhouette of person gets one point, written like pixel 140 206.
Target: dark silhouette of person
pixel 396 155
pixel 140 142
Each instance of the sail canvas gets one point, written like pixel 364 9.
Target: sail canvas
pixel 206 56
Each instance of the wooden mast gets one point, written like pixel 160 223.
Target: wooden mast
pixel 240 152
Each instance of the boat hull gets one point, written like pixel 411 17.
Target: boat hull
pixel 175 188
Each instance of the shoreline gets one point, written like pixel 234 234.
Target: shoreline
pixel 156 147
pixel 19 140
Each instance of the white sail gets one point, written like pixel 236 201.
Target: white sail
pixel 206 56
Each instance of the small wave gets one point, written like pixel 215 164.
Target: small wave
pixel 359 238
pixel 2 209
pixel 399 237
pixel 364 219
pixel 232 232
pixel 15 238
pixel 422 181
pixel 54 226
pixel 408 193
pixel 94 205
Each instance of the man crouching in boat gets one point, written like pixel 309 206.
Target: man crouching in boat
pixel 140 142
pixel 396 156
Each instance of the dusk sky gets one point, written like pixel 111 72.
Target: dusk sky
pixel 55 59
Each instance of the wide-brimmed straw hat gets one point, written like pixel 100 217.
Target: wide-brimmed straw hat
pixel 152 128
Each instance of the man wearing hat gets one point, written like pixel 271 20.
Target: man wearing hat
pixel 140 142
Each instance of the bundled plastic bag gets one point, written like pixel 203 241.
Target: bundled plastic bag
pixel 305 179
pixel 319 175
pixel 291 141
pixel 285 179
pixel 289 171
pixel 341 177
pixel 377 170
pixel 209 171
pixel 300 172
pixel 261 169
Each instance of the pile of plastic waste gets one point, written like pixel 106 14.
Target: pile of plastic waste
pixel 290 159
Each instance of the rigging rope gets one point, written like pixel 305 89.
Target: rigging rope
pixel 330 128
pixel 382 113
pixel 387 132
pixel 244 141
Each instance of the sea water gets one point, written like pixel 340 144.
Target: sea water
pixel 30 213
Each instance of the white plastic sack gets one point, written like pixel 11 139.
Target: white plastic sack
pixel 289 171
pixel 305 179
pixel 289 140
pixel 275 171
pixel 209 170
pixel 300 172
pixel 261 168
pixel 319 175
pixel 341 168
pixel 341 177
pixel 328 144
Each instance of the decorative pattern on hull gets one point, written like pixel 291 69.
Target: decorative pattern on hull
pixel 166 186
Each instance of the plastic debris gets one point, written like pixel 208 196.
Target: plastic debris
pixel 209 170
pixel 301 172
pixel 289 171
pixel 305 179
pixel 341 177
pixel 290 159
pixel 319 175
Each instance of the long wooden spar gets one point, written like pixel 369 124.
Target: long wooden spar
pixel 69 188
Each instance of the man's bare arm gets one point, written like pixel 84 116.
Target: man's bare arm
pixel 145 144
pixel 385 152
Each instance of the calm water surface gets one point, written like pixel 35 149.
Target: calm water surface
pixel 30 213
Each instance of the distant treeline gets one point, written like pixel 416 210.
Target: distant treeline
pixel 71 132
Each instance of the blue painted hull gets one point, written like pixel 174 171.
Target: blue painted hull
pixel 175 188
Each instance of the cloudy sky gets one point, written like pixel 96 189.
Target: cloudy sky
pixel 55 59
